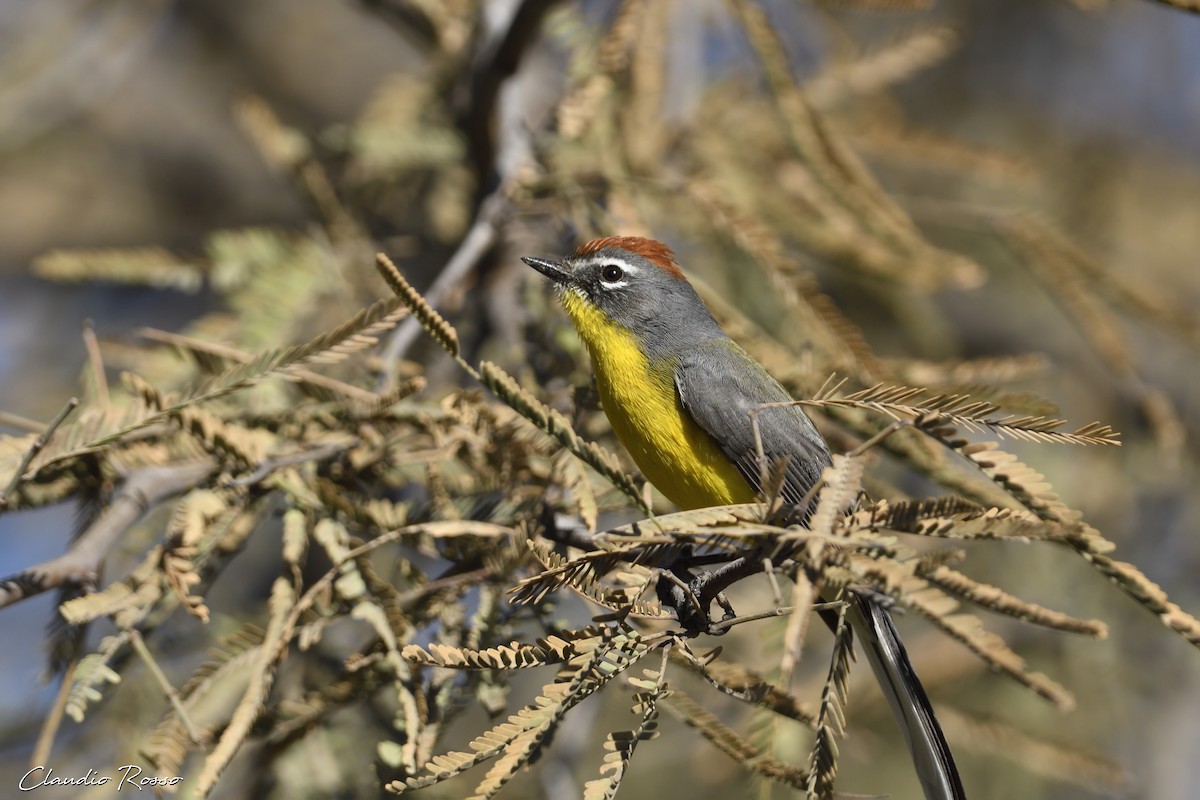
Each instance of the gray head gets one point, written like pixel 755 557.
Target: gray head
pixel 634 283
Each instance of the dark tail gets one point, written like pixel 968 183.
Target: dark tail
pixel 910 705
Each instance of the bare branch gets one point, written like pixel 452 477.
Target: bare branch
pixel 143 489
pixel 474 246
pixel 24 423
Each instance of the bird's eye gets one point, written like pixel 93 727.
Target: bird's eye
pixel 611 273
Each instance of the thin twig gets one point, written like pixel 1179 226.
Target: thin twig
pixel 96 363
pixel 406 599
pixel 776 594
pixel 50 725
pixel 139 646
pixel 40 442
pixel 315 454
pixel 779 611
pixel 804 593
pixel 24 423
pixel 879 437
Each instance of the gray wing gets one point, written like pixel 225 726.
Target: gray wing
pixel 718 385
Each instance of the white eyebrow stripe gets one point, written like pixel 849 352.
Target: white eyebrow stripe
pixel 626 267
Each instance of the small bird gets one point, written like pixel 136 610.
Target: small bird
pixel 678 393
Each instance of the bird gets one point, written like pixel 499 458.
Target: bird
pixel 678 393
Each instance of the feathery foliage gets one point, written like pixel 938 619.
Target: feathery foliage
pixel 372 537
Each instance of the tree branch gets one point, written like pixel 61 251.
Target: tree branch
pixel 499 56
pixel 474 246
pixel 81 563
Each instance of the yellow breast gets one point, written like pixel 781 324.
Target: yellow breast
pixel 639 398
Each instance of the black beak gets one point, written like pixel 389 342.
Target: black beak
pixel 551 269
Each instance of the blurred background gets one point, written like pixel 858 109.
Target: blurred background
pixel 1046 152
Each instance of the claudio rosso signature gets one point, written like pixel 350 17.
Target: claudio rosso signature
pixel 127 777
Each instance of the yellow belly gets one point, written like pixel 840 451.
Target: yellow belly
pixel 639 398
